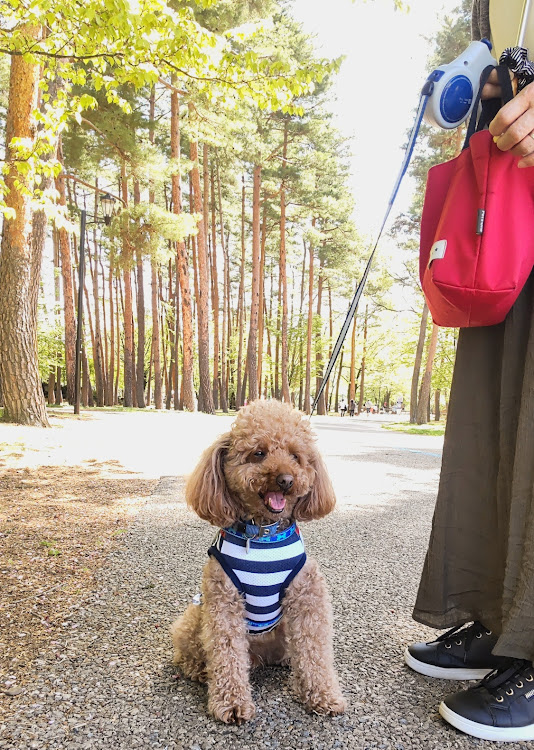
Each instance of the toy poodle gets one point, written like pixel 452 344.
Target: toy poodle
pixel 263 600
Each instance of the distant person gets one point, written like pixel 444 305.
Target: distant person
pixel 368 406
pixel 478 576
pixel 352 408
pixel 343 407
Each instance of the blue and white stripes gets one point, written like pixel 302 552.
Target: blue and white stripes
pixel 261 569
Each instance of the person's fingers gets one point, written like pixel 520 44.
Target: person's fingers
pixel 507 117
pixel 528 161
pixel 526 151
pixel 514 136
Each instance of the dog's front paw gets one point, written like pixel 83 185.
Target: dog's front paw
pixel 330 704
pixel 238 713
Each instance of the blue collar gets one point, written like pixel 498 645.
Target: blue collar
pixel 248 530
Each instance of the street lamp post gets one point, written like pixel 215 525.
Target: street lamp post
pixel 107 202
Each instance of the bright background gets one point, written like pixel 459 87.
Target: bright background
pixel 378 87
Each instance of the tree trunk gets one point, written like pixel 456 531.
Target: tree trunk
pixel 105 336
pixel 97 341
pixel 301 326
pixel 240 396
pixel 262 293
pixel 424 393
pixel 338 381
pixel 307 389
pixel 192 245
pixel 171 326
pixel 128 314
pixel 156 351
pixel 140 378
pixel 24 401
pixel 110 399
pixel 206 396
pixel 215 295
pixel 417 364
pixel 437 409
pixel 283 273
pixel 182 260
pixel 224 342
pixel 178 398
pixel 321 405
pixel 362 371
pixel 118 293
pixel 252 363
pixel 55 370
pixel 330 336
pixel 352 386
pixel 68 295
pixel 43 182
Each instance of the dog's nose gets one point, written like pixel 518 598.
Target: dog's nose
pixel 284 481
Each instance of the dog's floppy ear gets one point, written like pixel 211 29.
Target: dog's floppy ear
pixel 206 492
pixel 321 499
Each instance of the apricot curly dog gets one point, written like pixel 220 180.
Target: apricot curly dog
pixel 263 600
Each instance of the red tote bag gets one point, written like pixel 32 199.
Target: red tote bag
pixel 477 232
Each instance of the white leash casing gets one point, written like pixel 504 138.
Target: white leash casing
pixel 455 86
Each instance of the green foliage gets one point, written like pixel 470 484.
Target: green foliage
pixel 50 348
pixel 149 228
pixel 252 76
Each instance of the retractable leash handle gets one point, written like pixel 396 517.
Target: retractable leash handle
pixel 456 85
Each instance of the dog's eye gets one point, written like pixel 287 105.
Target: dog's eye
pixel 257 456
pixel 294 455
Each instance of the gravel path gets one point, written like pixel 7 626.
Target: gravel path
pixel 109 683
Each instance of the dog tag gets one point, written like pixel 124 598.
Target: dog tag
pixel 247 546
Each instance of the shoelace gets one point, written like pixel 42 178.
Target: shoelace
pixel 469 633
pixel 505 679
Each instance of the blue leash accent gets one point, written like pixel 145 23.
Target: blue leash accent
pixel 426 91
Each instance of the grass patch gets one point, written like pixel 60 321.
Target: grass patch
pixel 432 428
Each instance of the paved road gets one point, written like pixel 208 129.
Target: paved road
pixel 108 682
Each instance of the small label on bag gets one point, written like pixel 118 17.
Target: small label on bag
pixel 481 215
pixel 437 251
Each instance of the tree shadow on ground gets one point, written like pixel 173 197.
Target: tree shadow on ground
pixel 57 523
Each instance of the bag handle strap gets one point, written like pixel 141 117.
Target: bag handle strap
pixel 490 107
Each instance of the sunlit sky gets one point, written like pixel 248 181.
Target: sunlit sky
pixel 378 87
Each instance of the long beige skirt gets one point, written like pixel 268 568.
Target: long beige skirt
pixel 480 559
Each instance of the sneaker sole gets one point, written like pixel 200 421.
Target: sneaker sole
pixel 485 732
pixel 444 673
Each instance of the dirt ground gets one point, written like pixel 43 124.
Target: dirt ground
pixel 63 506
pixel 67 494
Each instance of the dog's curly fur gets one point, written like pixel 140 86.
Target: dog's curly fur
pixel 211 643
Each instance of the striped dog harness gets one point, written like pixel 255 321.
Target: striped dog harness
pixel 261 568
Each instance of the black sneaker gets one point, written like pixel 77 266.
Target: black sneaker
pixel 501 707
pixel 463 653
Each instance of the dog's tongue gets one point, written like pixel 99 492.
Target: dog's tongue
pixel 275 501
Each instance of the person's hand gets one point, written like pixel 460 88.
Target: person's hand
pixel 513 127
